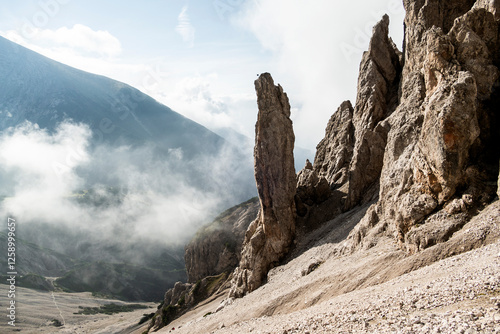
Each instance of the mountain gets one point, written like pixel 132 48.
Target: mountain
pixel 395 227
pixel 45 92
pixel 141 280
pixel 151 172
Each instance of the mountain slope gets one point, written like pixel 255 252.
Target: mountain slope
pixel 45 92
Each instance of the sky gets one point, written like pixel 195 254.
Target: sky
pixel 201 57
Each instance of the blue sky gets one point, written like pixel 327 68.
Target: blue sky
pixel 200 57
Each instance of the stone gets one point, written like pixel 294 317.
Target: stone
pixel 498 188
pixel 311 189
pixel 216 247
pixel 448 72
pixel 493 6
pixel 270 236
pixel 450 128
pixel 377 92
pixel 334 152
pixel 426 137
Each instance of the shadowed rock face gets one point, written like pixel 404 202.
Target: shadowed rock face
pixel 216 248
pixel 334 152
pixel 269 237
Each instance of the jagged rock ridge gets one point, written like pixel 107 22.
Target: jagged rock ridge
pixel 416 158
pixel 420 140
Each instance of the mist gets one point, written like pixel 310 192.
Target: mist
pixel 75 197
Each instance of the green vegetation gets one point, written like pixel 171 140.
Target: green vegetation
pixel 214 282
pixel 123 281
pixel 169 313
pixel 56 323
pixel 196 288
pixel 110 309
pixel 146 317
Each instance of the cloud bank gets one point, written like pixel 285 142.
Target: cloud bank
pixel 111 195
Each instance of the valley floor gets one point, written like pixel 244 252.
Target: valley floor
pixel 36 312
pixel 372 291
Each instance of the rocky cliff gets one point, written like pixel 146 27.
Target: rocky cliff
pixel 210 257
pixel 412 168
pixel 439 155
pixel 421 139
pixel 419 145
pixel 216 248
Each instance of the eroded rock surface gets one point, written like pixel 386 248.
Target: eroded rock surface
pixel 334 152
pixel 311 189
pixel 422 135
pixel 431 160
pixel 269 237
pixel 216 248
pixel 377 94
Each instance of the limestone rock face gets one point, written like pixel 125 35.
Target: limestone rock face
pixel 498 188
pixel 422 138
pixel 351 155
pixel 492 6
pixel 216 248
pixel 269 237
pixel 334 152
pixel 448 78
pixel 377 94
pixel 311 189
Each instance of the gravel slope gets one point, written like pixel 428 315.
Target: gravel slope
pixel 373 291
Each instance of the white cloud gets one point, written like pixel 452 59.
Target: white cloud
pixel 198 98
pixel 185 28
pixel 79 38
pixel 41 173
pixel 41 167
pixel 317 49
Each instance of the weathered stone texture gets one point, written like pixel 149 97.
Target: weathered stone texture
pixel 269 237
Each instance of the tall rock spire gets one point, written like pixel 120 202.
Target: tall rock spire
pixel 269 237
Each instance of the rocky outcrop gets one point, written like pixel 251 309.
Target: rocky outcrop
pixel 216 248
pixel 443 120
pixel 269 237
pixel 421 138
pixel 493 6
pixel 334 152
pixel 377 96
pixel 351 155
pixel 210 257
pixel 413 161
pixel 183 297
pixel 311 189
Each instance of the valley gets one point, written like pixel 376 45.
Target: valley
pixel 58 312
